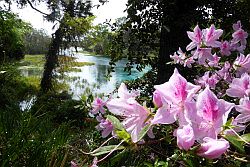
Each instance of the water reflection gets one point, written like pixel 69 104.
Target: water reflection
pixel 93 77
pixel 31 71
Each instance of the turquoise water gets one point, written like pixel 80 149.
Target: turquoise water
pixel 93 77
pixel 96 74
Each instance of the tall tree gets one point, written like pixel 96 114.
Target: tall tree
pixel 72 19
pixel 12 31
pixel 159 27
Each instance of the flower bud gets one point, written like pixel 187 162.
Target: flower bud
pixel 185 137
pixel 212 148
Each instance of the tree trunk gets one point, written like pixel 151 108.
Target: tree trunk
pixel 51 61
pixel 164 71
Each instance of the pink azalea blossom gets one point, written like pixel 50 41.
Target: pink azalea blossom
pixel 196 38
pixel 242 64
pixel 124 93
pixel 95 161
pixel 177 89
pixel 211 35
pixel 202 54
pixel 212 114
pixel 105 126
pixel 164 115
pixel 244 109
pixel 239 87
pixel 215 61
pixel 185 137
pixel 205 80
pixel 237 26
pixel 224 73
pixel 212 148
pixel 177 94
pixel 178 57
pixel 225 48
pixel 73 164
pixel 240 36
pixel 188 62
pixel 237 127
pixel 98 105
pixel 157 99
pixel 133 113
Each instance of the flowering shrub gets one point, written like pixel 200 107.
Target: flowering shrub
pixel 203 114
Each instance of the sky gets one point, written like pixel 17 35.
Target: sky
pixel 111 10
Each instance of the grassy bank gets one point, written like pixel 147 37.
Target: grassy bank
pixel 32 68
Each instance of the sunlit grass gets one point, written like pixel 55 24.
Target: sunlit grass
pixel 33 60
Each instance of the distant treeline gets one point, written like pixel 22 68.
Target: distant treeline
pixel 37 42
pixel 18 38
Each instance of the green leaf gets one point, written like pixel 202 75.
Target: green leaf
pixel 228 124
pixel 246 137
pixel 115 122
pixel 144 131
pixel 123 134
pixel 106 149
pixel 235 141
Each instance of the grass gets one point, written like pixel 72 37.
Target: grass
pixel 80 64
pixel 33 60
pixel 34 81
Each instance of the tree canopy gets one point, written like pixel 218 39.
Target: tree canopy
pixel 12 32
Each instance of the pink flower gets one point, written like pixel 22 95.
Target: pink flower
pixel 224 72
pixel 239 87
pixel 225 48
pixel 124 93
pixel 185 137
pixel 105 126
pixel 133 113
pixel 95 161
pixel 164 116
pixel 237 127
pixel 237 25
pixel 196 38
pixel 205 80
pixel 211 36
pixel 98 105
pixel 73 164
pixel 215 61
pixel 188 62
pixel 177 94
pixel 242 64
pixel 178 57
pixel 244 109
pixel 157 99
pixel 212 148
pixel 177 89
pixel 202 54
pixel 212 114
pixel 240 36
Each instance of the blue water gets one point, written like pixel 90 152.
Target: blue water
pixel 96 74
pixel 92 77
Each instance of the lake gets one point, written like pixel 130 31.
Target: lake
pixel 92 77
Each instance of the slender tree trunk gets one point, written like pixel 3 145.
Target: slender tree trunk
pixel 164 71
pixel 51 61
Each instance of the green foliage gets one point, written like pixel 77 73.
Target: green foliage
pixel 98 40
pixel 106 149
pixel 36 42
pixel 12 31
